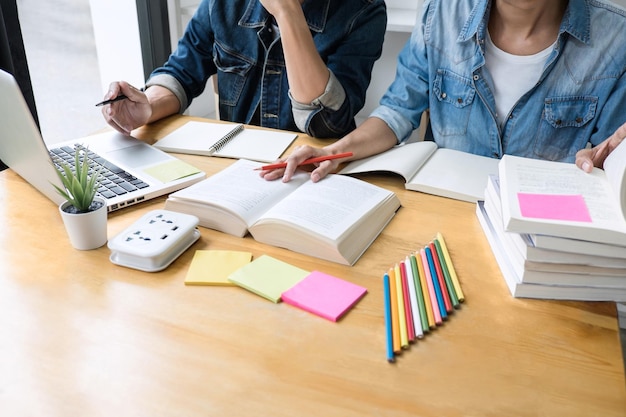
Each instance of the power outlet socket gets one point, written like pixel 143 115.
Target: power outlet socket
pixel 154 241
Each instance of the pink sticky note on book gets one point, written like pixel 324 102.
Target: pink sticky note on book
pixel 554 207
pixel 324 295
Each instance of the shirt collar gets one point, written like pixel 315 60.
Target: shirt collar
pixel 576 21
pixel 315 12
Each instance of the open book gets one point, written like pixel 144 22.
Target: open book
pixel 335 219
pixel 559 199
pixel 429 169
pixel 230 140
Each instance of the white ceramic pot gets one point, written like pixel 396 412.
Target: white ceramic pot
pixel 86 230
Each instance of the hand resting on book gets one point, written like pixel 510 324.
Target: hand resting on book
pixel 586 159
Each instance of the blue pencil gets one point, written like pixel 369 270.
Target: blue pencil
pixel 433 272
pixel 390 354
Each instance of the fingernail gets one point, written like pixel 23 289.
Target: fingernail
pixel 587 166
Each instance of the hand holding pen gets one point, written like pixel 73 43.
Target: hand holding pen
pixel 125 107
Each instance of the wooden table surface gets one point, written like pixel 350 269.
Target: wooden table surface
pixel 80 336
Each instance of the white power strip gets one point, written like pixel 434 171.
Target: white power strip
pixel 154 241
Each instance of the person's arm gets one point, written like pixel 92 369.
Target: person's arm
pixel 372 137
pixel 307 73
pixel 586 159
pixel 139 107
pixel 327 91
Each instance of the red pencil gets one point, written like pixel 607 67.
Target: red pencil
pixel 306 161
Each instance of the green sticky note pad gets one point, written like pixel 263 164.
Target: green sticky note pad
pixel 171 170
pixel 268 277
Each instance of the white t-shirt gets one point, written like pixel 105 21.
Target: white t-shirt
pixel 513 75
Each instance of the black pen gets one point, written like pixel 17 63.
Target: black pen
pixel 113 100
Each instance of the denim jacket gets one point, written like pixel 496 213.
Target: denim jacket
pixel 236 40
pixel 580 97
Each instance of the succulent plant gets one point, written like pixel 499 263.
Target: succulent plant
pixel 79 183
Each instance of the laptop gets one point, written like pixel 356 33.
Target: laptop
pixel 23 149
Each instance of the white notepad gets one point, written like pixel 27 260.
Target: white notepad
pixel 241 143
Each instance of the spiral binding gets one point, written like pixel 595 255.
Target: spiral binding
pixel 224 140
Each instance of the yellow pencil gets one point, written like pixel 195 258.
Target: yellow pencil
pixel 455 279
pixel 404 335
pixel 395 328
pixel 427 304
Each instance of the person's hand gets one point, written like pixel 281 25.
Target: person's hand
pixel 300 154
pixel 586 159
pixel 276 7
pixel 126 115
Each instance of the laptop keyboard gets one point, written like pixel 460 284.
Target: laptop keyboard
pixel 114 181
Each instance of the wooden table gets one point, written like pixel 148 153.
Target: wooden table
pixel 80 336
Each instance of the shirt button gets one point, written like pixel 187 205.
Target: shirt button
pixel 558 122
pixel 476 77
pixel 444 95
pixel 459 100
pixel 579 120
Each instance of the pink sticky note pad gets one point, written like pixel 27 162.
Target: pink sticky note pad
pixel 554 207
pixel 324 295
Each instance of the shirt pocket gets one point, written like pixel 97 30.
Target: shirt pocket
pixel 233 69
pixel 565 127
pixel 450 111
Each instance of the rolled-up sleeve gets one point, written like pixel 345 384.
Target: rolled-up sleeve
pixel 333 97
pixel 172 84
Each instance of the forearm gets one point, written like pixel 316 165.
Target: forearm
pixel 306 72
pixel 372 137
pixel 162 102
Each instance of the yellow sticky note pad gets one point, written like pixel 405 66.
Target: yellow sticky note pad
pixel 171 170
pixel 212 267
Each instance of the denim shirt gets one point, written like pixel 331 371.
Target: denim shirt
pixel 236 39
pixel 580 97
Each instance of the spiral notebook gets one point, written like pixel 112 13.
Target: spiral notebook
pixel 228 140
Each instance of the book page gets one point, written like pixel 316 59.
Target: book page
pixel 404 160
pixel 529 176
pixel 329 207
pixel 559 199
pixel 455 174
pixel 615 169
pixel 241 190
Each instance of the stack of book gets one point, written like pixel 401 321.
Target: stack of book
pixel 557 232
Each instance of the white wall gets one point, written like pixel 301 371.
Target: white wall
pixel 118 46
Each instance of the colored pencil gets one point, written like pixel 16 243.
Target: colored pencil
pixel 446 273
pixel 428 305
pixel 417 320
pixel 410 326
pixel 431 289
pixel 306 161
pixel 455 279
pixel 395 326
pixel 420 294
pixel 404 336
pixel 388 327
pixel 442 281
pixel 438 293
